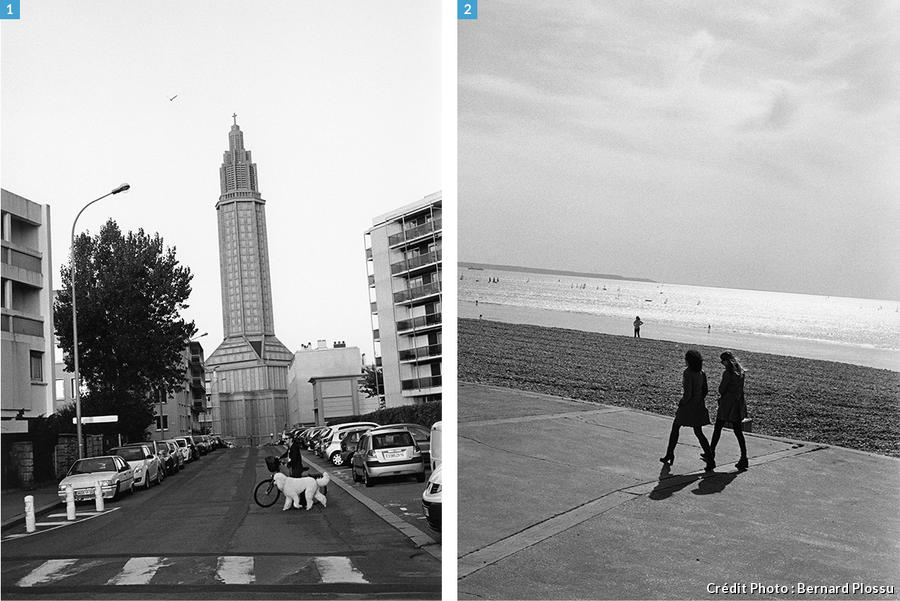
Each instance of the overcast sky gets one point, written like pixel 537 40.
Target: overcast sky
pixel 339 103
pixel 738 144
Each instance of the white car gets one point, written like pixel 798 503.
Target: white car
pixel 113 473
pixel 330 443
pixel 432 499
pixel 145 464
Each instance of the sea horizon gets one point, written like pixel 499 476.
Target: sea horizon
pixel 831 328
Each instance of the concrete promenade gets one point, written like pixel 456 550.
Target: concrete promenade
pixel 560 499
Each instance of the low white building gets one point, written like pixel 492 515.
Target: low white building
pixel 320 362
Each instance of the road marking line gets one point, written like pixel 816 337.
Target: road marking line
pixel 338 569
pixel 138 570
pixel 50 523
pixel 49 571
pixel 235 570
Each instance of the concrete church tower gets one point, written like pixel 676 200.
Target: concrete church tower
pixel 250 367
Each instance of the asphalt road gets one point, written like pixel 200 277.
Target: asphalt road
pixel 200 534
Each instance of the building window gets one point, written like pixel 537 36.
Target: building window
pixel 37 366
pixel 60 386
pixel 162 422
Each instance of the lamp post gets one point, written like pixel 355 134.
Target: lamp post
pixel 121 188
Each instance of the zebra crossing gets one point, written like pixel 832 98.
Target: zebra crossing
pixel 206 570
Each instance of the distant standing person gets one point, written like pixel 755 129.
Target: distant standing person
pixel 732 407
pixel 637 326
pixel 692 410
pixel 708 328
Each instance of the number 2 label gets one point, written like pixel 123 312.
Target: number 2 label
pixel 467 9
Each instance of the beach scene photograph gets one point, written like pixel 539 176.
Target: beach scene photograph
pixel 679 301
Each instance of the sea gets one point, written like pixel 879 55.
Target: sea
pixel 848 330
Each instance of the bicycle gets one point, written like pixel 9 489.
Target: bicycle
pixel 266 493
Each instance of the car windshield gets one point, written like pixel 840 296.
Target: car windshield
pixel 392 440
pixel 93 464
pixel 130 453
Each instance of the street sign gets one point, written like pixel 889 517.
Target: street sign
pixel 97 419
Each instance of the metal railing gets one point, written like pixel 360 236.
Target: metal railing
pixel 414 232
pixel 417 383
pixel 417 292
pixel 421 352
pixel 417 261
pixel 433 319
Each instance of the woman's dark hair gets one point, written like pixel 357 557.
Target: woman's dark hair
pixel 694 360
pixel 731 363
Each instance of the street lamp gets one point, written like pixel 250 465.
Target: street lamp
pixel 121 188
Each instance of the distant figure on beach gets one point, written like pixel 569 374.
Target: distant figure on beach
pixel 480 315
pixel 692 410
pixel 732 407
pixel 708 328
pixel 476 302
pixel 637 326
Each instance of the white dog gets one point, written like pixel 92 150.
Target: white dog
pixel 292 487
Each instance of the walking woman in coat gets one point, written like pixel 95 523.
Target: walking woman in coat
pixel 692 410
pixel 294 458
pixel 732 407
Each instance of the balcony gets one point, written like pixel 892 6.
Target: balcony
pixel 415 232
pixel 432 289
pixel 431 351
pixel 369 253
pixel 419 323
pixel 372 280
pixel 376 335
pixel 416 262
pixel 377 361
pixel 419 383
pixel 373 307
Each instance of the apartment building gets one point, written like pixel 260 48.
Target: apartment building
pixel 403 258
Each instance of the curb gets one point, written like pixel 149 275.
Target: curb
pixel 20 518
pixel 420 539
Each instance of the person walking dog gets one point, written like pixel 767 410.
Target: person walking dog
pixel 692 410
pixel 294 458
pixel 732 407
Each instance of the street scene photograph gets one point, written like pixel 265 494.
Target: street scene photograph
pixel 679 300
pixel 222 300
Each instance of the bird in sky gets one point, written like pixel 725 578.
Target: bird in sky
pixel 173 97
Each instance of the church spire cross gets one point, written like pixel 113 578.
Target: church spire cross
pixel 235 118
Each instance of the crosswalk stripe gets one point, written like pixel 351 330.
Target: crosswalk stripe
pixel 138 570
pixel 235 570
pixel 338 569
pixel 49 571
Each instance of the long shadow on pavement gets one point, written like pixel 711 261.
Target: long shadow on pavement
pixel 709 483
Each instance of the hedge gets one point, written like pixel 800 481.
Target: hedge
pixel 425 414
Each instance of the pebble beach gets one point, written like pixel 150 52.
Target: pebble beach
pixel 818 401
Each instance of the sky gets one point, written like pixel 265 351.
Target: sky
pixel 339 102
pixel 749 145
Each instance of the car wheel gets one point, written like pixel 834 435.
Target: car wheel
pixel 420 477
pixel 115 496
pixel 336 458
pixel 147 481
pixel 131 488
pixel 367 479
pixel 160 475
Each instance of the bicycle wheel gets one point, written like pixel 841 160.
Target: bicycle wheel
pixel 266 493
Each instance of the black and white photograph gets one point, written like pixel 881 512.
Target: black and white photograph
pixel 679 300
pixel 222 299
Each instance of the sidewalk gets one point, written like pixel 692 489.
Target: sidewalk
pixel 565 499
pixel 12 503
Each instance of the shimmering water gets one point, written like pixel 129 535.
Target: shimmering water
pixel 851 322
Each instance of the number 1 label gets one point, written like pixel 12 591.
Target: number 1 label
pixel 10 9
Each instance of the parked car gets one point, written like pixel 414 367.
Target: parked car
pixel 330 440
pixel 349 444
pixel 421 435
pixel 146 466
pixel 309 436
pixel 178 453
pixel 431 500
pixel 202 445
pixel 168 462
pixel 113 473
pixel 334 447
pixel 388 452
pixel 186 449
pixel 192 445
pixel 435 445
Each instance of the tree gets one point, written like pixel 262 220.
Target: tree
pixel 373 383
pixel 131 290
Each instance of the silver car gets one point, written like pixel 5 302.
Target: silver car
pixel 387 452
pixel 112 472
